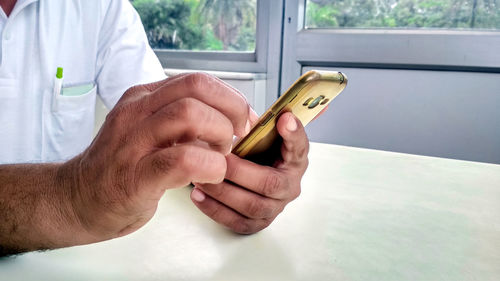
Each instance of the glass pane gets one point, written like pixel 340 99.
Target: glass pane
pixel 226 25
pixel 447 14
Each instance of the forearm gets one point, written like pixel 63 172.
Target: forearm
pixel 35 208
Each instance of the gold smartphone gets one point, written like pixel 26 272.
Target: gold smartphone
pixel 306 98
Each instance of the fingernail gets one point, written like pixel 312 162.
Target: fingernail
pixel 292 124
pixel 197 195
pixel 235 139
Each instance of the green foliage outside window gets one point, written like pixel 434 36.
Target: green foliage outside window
pixel 199 24
pixel 462 14
pixel 231 24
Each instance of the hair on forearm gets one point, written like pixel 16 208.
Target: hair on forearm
pixel 27 208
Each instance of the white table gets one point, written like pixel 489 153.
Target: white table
pixel 363 215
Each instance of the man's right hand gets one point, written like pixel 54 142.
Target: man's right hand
pixel 159 136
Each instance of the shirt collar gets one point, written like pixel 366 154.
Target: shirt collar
pixel 3 16
pixel 21 4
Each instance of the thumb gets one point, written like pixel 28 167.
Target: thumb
pixel 178 166
pixel 295 143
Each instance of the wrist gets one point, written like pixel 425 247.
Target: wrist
pixel 69 189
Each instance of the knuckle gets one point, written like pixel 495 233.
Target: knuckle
pixel 186 111
pixel 123 113
pixel 271 186
pixel 295 192
pixel 254 208
pixel 132 92
pixel 259 209
pixel 197 81
pixel 242 226
pixel 178 162
pixel 217 191
pixel 303 151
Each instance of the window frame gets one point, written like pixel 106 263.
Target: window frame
pixel 251 62
pixel 265 61
pixel 426 49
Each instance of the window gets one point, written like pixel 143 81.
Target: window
pixel 318 34
pixel 243 36
pixel 215 25
pixel 423 74
pixel 213 35
pixel 407 60
pixel 448 14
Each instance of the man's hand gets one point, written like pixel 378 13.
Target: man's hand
pixel 254 195
pixel 159 136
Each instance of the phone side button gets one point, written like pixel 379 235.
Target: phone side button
pixel 266 118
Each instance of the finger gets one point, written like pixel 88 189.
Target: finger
pixel 131 107
pixel 247 203
pixel 252 120
pixel 207 89
pixel 178 166
pixel 295 145
pixel 225 215
pixel 253 117
pixel 151 87
pixel 264 180
pixel 139 91
pixel 188 120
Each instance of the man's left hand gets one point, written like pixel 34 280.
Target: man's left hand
pixel 253 195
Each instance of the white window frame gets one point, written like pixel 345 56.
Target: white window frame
pixel 453 50
pixel 265 61
pixel 247 61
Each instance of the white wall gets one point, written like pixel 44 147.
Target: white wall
pixel 435 113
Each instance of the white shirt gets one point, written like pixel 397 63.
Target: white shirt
pixel 3 19
pixel 97 42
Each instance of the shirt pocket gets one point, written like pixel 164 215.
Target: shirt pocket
pixel 70 128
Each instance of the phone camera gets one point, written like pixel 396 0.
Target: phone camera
pixel 308 101
pixel 315 102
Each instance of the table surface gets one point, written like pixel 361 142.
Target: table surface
pixel 362 215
